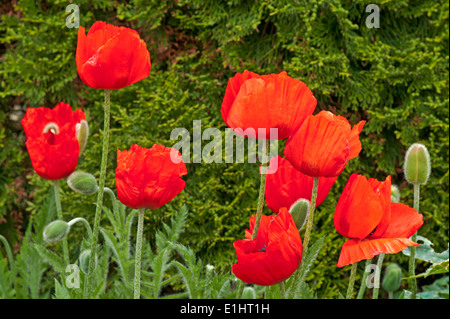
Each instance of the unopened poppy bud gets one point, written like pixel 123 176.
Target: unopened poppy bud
pixel 417 164
pixel 395 194
pixel 85 258
pixel 55 231
pixel 249 293
pixel 82 134
pixel 300 211
pixel 83 183
pixel 392 278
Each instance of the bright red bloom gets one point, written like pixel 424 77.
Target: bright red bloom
pixel 111 57
pixel 51 139
pixel 323 145
pixel 275 253
pixel 287 185
pixel 365 214
pixel 148 178
pixel 255 101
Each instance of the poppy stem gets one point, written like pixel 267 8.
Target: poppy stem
pixel 376 284
pixel 137 262
pixel 362 288
pixel 60 217
pixel 262 188
pixel 351 282
pixel 12 264
pixel 282 290
pixel 311 215
pixel 84 222
pixel 293 288
pixel 412 256
pixel 98 209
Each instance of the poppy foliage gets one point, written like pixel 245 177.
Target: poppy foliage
pixel 51 139
pixel 111 57
pixel 148 178
pixel 373 224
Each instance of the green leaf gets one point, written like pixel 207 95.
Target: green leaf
pixel 61 291
pixel 426 253
pixel 53 259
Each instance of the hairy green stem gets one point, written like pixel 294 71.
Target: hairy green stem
pixel 412 256
pixel 262 188
pixel 98 209
pixel 376 286
pixel 351 281
pixel 12 263
pixel 311 216
pixel 312 207
pixel 282 290
pixel 84 222
pixel 137 262
pixel 113 199
pixel 362 288
pixel 60 217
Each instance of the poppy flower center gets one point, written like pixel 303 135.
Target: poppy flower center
pixel 51 127
pixel 262 249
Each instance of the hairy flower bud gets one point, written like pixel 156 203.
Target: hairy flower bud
pixel 392 278
pixel 55 231
pixel 84 259
pixel 300 211
pixel 417 164
pixel 83 183
pixel 249 293
pixel 82 134
pixel 395 194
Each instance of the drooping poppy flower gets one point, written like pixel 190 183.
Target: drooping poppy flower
pixel 323 145
pixel 275 253
pixel 374 224
pixel 148 178
pixel 255 101
pixel 52 139
pixel 111 57
pixel 287 185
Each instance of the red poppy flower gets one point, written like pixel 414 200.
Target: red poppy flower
pixel 51 139
pixel 148 178
pixel 255 101
pixel 287 185
pixel 323 145
pixel 111 57
pixel 275 253
pixel 374 224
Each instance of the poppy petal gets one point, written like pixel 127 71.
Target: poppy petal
pixel 355 250
pixel 405 221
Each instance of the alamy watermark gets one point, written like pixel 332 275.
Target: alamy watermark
pixel 373 19
pixel 218 151
pixel 73 19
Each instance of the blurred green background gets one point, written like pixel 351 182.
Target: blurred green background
pixel 395 77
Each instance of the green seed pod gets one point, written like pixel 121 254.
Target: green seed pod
pixel 249 293
pixel 395 194
pixel 417 164
pixel 84 259
pixel 392 278
pixel 55 231
pixel 82 134
pixel 83 183
pixel 300 211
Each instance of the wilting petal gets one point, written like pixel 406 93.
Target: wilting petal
pixel 355 250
